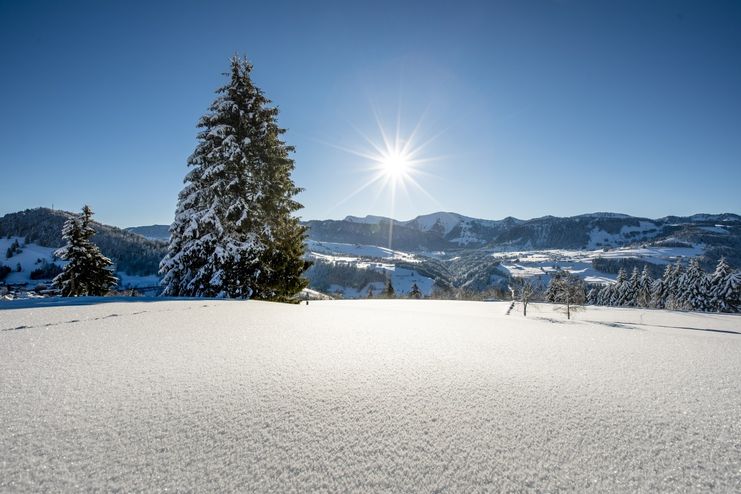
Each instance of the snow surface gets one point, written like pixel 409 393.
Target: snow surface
pixel 365 396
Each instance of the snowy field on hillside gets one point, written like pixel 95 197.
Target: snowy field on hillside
pixel 365 396
pixel 29 258
pixel 526 264
pixel 32 256
pixel 356 251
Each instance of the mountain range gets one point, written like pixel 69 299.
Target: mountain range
pixel 451 231
pixel 139 249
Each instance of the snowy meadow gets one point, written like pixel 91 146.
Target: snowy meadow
pixel 374 395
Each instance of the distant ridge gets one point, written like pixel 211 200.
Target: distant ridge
pixel 452 231
pixel 139 249
pixel 154 232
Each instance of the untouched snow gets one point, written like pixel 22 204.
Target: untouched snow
pixel 365 396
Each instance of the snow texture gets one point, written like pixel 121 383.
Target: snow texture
pixel 366 396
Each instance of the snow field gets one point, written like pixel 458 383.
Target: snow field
pixel 366 396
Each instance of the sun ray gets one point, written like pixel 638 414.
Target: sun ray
pixel 360 189
pixel 394 161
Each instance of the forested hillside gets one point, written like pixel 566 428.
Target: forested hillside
pixel 132 253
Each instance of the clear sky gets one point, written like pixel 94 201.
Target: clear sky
pixel 531 107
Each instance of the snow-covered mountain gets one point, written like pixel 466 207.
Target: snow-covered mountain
pixel 451 231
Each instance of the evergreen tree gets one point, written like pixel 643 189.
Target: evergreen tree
pixel 732 291
pixel 592 295
pixel 605 294
pixel 415 292
pixel 643 296
pixel 692 296
pixel 15 248
pixel 706 294
pixel 87 272
pixel 630 293
pixel 724 287
pixel 660 289
pixel 234 234
pixel 389 292
pixel 618 292
pixel 673 285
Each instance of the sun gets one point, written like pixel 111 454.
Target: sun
pixel 395 161
pixel 395 165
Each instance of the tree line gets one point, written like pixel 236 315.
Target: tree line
pixel 679 288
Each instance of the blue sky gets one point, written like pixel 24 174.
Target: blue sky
pixel 533 107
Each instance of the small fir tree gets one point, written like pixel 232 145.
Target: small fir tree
pixel 673 283
pixel 389 292
pixel 87 272
pixel 630 293
pixel 415 292
pixel 724 288
pixel 691 295
pixel 660 289
pixel 643 296
pixel 619 290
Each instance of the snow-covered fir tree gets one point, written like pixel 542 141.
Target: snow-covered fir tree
pixel 619 290
pixel 87 272
pixel 724 286
pixel 630 293
pixel 691 295
pixel 660 289
pixel 592 295
pixel 389 292
pixel 673 285
pixel 234 233
pixel 643 295
pixel 604 296
pixel 678 289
